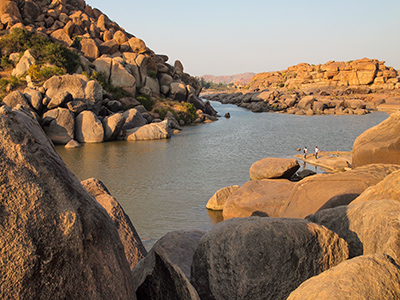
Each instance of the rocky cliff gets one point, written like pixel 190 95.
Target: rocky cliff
pixel 336 74
pixel 242 79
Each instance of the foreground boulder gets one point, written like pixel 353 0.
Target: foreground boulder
pixel 272 168
pixel 268 196
pixel 57 241
pixel 157 278
pixel 365 277
pixel 311 193
pixel 153 131
pixel 368 227
pixel 262 258
pixel 133 247
pixel 218 200
pixel 379 144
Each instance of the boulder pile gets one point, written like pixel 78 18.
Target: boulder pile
pixel 73 107
pixel 355 87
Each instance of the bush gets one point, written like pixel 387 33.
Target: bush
pixel 44 72
pixel 146 101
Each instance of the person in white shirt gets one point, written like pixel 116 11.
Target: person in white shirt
pixel 316 151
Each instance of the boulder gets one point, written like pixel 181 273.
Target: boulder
pixel 179 247
pixel 268 196
pixel 157 278
pixel 77 106
pixel 90 49
pixel 311 193
pixel 88 128
pixel 153 131
pixel 72 144
pixel 59 125
pixel 379 144
pixel 178 91
pixel 262 258
pixel 34 98
pixel 114 106
pixel 112 126
pixel 62 37
pixel 368 227
pixel 57 241
pixel 365 277
pixel 60 99
pixel 272 168
pixel 9 7
pixel 120 37
pixel 153 85
pixel 24 63
pixel 133 247
pixel 94 91
pixel 388 188
pixel 120 76
pixel 306 103
pixel 15 98
pixel 137 45
pixel 133 118
pixel 108 47
pixel 103 65
pixel 73 84
pixel 218 200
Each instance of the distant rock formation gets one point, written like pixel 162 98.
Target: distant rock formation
pixel 358 72
pixel 243 78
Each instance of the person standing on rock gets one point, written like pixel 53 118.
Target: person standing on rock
pixel 305 151
pixel 316 151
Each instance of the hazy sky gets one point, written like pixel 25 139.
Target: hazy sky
pixel 222 37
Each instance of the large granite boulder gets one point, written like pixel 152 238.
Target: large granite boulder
pixel 269 196
pixel 388 188
pixel 59 125
pixel 272 168
pixel 24 63
pixel 153 131
pixel 157 278
pixel 88 128
pixel 311 193
pixel 179 246
pixel 368 227
pixel 262 258
pixel 57 241
pixel 74 84
pixel 133 118
pixel 15 98
pixel 34 98
pixel 365 277
pixel 120 76
pixel 217 201
pixel 133 247
pixel 112 126
pixel 379 144
pixel 90 49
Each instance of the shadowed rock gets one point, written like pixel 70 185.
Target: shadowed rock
pixel 57 241
pixel 368 227
pixel 365 277
pixel 262 258
pixel 133 247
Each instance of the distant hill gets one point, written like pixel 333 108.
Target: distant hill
pixel 244 78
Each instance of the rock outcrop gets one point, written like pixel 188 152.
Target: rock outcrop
pixel 379 144
pixel 57 241
pixel 217 201
pixel 354 279
pixel 267 196
pixel 262 258
pixel 274 168
pixel 311 193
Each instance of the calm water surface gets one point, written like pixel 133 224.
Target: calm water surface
pixel 164 185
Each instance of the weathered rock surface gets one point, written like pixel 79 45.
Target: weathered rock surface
pixel 157 278
pixel 368 227
pixel 112 126
pixel 15 98
pixel 59 125
pixel 311 193
pixel 262 258
pixel 133 247
pixel 379 144
pixel 75 85
pixel 218 200
pixel 273 168
pixel 269 196
pixel 153 131
pixel 388 188
pixel 133 118
pixel 365 277
pixel 57 241
pixel 88 128
pixel 179 247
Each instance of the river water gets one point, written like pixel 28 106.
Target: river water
pixel 164 185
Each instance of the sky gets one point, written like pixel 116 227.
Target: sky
pixel 222 37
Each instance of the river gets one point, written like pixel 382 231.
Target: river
pixel 164 185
